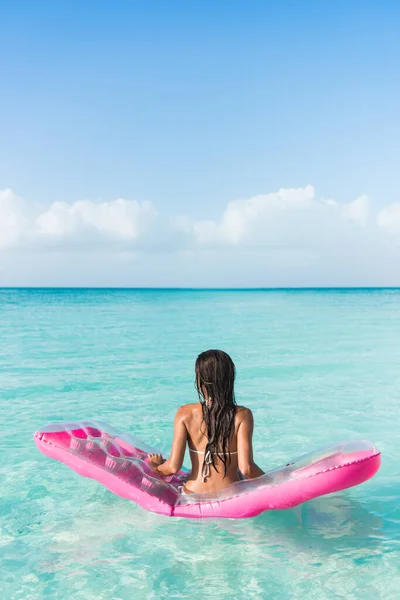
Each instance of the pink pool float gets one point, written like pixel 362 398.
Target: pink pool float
pixel 118 461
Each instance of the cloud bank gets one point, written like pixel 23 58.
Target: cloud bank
pixel 84 223
pixel 285 238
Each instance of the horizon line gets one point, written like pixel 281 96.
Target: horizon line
pixel 216 289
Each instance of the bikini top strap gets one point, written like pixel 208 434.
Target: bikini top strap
pixel 202 451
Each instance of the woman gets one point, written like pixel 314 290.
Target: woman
pixel 217 431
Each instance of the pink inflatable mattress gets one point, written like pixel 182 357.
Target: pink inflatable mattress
pixel 118 461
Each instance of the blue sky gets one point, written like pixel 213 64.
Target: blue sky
pixel 190 106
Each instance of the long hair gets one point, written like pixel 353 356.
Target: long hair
pixel 215 378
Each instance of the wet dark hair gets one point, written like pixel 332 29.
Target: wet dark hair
pixel 215 378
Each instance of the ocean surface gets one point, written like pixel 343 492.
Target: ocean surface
pixel 314 366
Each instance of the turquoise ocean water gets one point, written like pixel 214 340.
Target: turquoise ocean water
pixel 314 366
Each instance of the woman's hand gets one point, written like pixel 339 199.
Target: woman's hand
pixel 155 460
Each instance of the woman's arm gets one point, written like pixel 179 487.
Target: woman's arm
pixel 247 466
pixel 175 461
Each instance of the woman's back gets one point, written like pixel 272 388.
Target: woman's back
pixel 204 478
pixel 216 430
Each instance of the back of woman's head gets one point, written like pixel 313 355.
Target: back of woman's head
pixel 215 378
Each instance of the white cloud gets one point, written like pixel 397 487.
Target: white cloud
pixel 289 237
pixel 13 219
pixel 358 210
pixel 389 218
pixel 119 220
pixel 244 221
pixel 290 217
pixel 83 223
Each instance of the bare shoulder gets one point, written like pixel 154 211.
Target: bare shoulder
pixel 244 414
pixel 187 410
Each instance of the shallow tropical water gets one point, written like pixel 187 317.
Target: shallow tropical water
pixel 314 366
